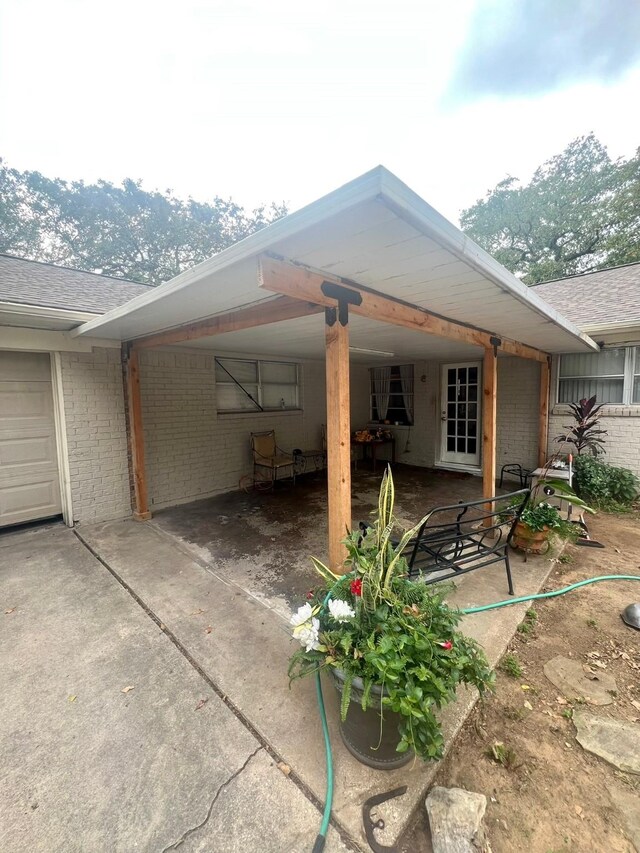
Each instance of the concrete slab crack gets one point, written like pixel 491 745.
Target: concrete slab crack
pixel 187 833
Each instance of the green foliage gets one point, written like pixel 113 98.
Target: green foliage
pixel 401 637
pixel 504 755
pixel 585 433
pixel 511 666
pixel 605 485
pixel 580 211
pixel 122 231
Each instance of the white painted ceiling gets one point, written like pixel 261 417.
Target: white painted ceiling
pixel 374 232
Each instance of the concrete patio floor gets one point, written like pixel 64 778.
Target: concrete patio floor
pixel 110 739
pixel 194 605
pixel 262 541
pixel 218 582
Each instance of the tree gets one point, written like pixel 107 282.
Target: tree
pixel 580 211
pixel 122 231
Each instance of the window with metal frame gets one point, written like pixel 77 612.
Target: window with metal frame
pixel 613 375
pixel 251 385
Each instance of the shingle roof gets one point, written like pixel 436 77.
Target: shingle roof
pixel 604 296
pixel 34 283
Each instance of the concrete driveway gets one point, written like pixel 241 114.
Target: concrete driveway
pixel 111 739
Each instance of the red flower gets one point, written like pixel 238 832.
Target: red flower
pixel 448 645
pixel 356 586
pixel 310 594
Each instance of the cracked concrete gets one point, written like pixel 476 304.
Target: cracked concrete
pixel 106 744
pixel 189 832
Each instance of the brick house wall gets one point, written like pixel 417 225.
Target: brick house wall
pixel 96 434
pixel 192 450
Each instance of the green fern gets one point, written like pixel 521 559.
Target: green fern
pixel 346 695
pixel 366 694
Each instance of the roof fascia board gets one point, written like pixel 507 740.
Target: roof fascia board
pixel 49 340
pixel 362 189
pixel 45 312
pixel 417 212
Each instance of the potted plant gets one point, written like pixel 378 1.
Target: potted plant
pixel 540 520
pixel 390 644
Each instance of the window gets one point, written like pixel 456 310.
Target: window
pixel 613 375
pixel 392 394
pixel 243 385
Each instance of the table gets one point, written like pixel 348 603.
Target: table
pixel 374 447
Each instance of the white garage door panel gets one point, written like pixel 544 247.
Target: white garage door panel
pixel 36 449
pixel 28 501
pixel 29 480
pixel 25 400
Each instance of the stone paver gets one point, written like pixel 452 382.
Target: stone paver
pixel 616 741
pixel 456 820
pixel 573 682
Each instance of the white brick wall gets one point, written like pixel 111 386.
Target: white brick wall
pixel 96 434
pixel 518 412
pixel 622 441
pixel 192 451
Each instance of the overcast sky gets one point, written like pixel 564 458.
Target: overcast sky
pixel 285 100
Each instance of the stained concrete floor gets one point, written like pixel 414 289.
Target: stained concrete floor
pixel 262 541
pixel 218 578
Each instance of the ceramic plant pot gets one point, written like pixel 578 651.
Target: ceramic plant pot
pixel 531 541
pixel 361 731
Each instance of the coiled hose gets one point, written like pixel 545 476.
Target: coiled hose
pixel 326 815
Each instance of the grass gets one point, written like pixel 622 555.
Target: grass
pixel 504 755
pixel 511 666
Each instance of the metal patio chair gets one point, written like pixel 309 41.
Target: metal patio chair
pixel 268 457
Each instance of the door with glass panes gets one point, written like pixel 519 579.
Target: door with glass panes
pixel 460 414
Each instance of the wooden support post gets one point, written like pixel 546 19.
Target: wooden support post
pixel 136 436
pixel 543 423
pixel 338 435
pixel 489 431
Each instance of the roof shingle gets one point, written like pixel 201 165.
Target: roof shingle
pixel 604 296
pixel 33 283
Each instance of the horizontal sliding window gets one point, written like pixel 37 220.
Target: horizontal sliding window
pixel 246 385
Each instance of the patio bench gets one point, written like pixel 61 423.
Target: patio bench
pixel 462 537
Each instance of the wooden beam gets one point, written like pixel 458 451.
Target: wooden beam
pixel 301 283
pixel 260 314
pixel 543 423
pixel 136 436
pixel 489 423
pixel 338 437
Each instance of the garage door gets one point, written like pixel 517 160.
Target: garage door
pixel 29 481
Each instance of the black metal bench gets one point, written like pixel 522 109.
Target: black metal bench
pixel 463 537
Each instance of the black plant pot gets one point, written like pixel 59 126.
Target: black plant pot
pixel 361 731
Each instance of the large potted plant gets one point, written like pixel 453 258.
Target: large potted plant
pixel 390 644
pixel 540 520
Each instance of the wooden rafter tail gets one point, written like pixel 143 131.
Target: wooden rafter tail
pixel 250 317
pixel 298 282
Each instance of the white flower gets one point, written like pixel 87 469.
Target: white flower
pixel 308 634
pixel 303 615
pixel 340 610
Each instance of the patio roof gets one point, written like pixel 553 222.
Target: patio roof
pixel 374 233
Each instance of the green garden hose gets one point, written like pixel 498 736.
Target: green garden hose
pixel 326 816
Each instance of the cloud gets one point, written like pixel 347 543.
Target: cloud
pixel 517 48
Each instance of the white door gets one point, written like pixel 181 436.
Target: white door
pixel 460 414
pixel 29 480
